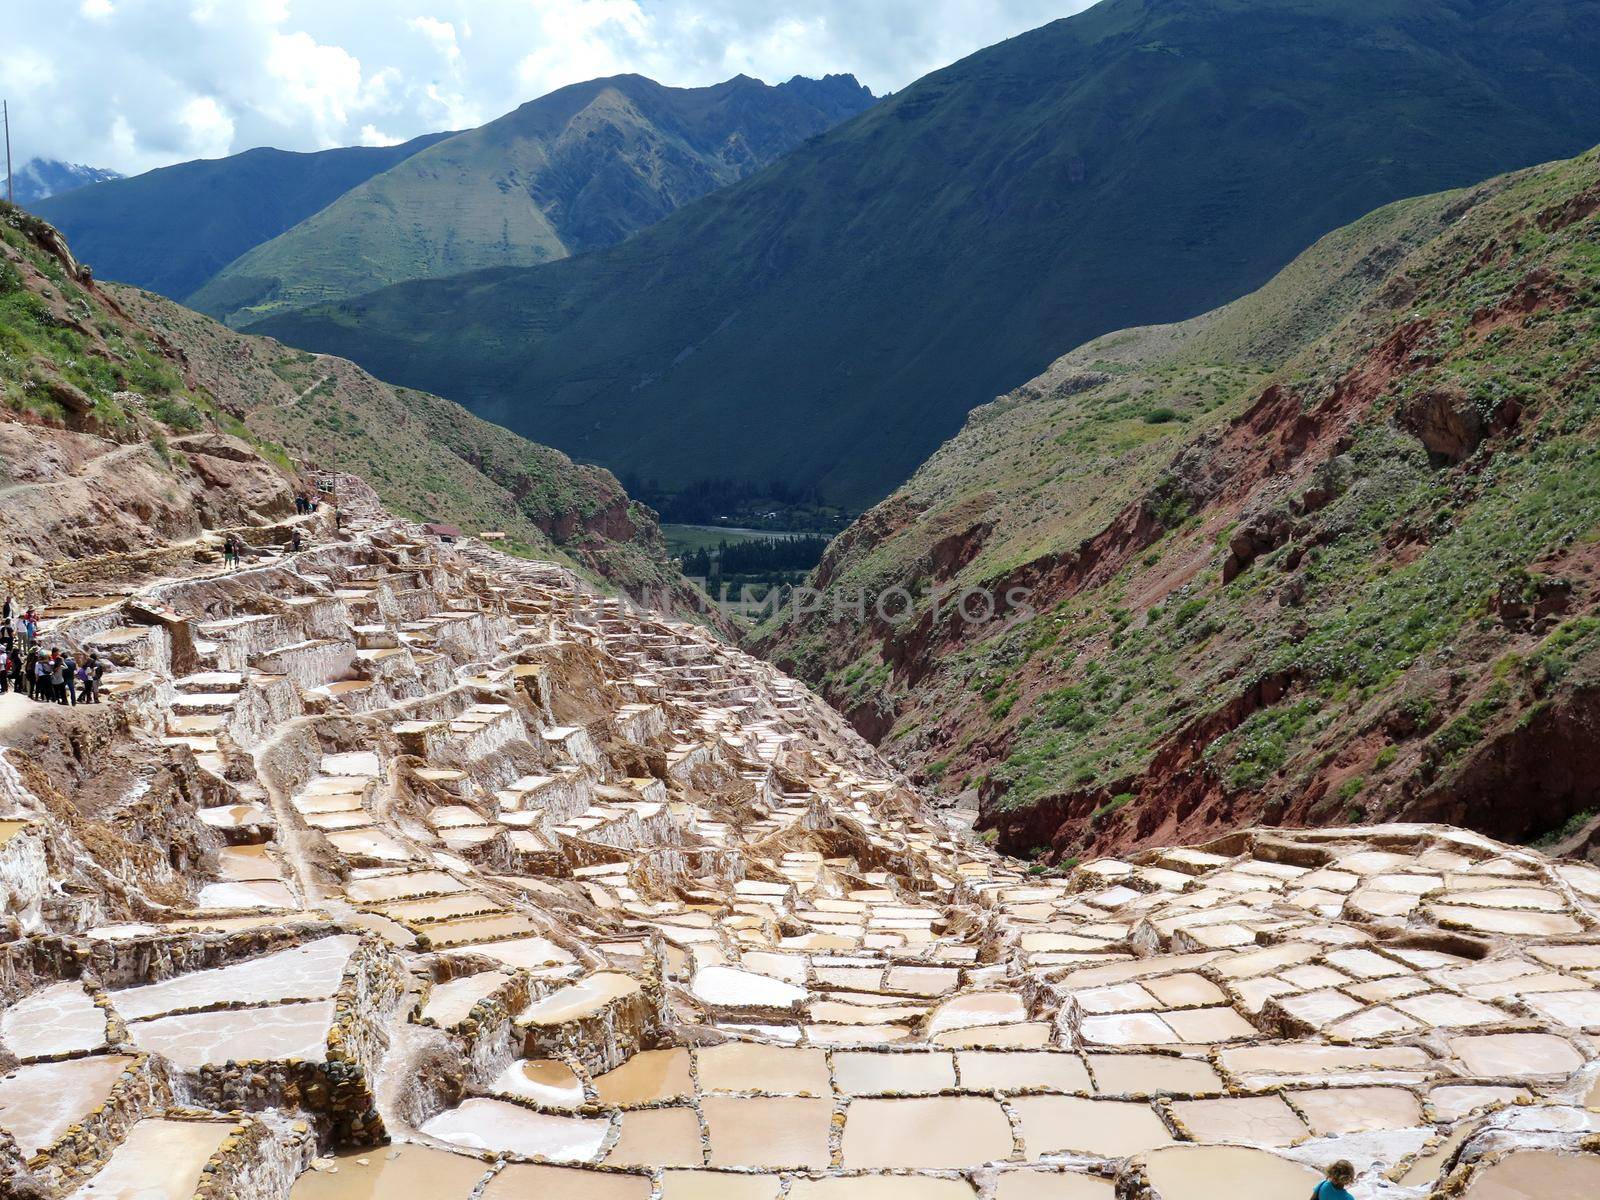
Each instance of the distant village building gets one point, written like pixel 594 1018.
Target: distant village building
pixel 491 535
pixel 445 533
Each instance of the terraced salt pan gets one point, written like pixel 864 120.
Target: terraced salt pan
pixel 55 1020
pixel 399 1172
pixel 265 893
pixel 401 885
pixel 1051 1185
pixel 755 1067
pixel 770 1133
pixel 718 1185
pixel 157 1160
pixel 1537 1175
pixel 1258 1120
pixel 862 1073
pixel 649 1076
pixel 939 1131
pixel 450 1003
pixel 1517 1054
pixel 482 1124
pixel 39 1103
pixel 1225 1173
pixel 302 972
pixel 545 1081
pixel 882 1187
pixel 729 987
pixel 585 998
pixel 1129 1074
pixel 534 953
pixel 523 1182
pixel 659 1137
pixel 277 1031
pixel 1107 1128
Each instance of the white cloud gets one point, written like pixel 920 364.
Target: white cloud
pixel 137 85
pixel 210 129
pixel 443 36
pixel 371 135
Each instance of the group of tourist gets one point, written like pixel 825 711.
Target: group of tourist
pixel 55 676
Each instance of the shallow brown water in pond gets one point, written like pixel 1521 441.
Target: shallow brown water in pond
pixel 717 1185
pixel 392 1173
pixel 522 1181
pixel 998 1070
pixel 941 1131
pixel 1051 1185
pixel 751 1067
pixel 772 1133
pixel 882 1187
pixel 1226 1173
pixel 1123 1074
pixel 649 1075
pixel 1107 1128
pixel 1538 1175
pixel 861 1073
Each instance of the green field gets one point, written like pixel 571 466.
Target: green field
pixel 686 539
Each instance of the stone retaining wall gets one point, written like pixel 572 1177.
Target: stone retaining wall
pixel 142 1089
pixel 258 1162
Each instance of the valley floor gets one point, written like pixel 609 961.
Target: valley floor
pixel 395 869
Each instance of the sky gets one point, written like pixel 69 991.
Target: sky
pixel 137 84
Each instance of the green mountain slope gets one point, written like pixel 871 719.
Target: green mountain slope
pixel 1327 554
pixel 172 229
pixel 127 421
pixel 582 168
pixel 427 458
pixel 832 318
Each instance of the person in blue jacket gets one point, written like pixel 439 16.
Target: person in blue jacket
pixel 1336 1186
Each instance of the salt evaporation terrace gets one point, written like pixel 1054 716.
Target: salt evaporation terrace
pixel 501 890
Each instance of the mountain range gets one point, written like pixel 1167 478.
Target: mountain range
pixel 1326 555
pixel 171 229
pixel 832 318
pixel 40 178
pixel 580 169
pixel 584 167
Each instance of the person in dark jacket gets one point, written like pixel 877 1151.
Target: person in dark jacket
pixel 91 673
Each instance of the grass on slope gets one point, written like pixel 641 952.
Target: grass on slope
pixel 1381 609
pixel 428 458
pixel 65 360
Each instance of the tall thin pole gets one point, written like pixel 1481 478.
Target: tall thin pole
pixel 11 187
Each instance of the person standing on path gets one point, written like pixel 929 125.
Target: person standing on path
pixel 92 672
pixel 230 552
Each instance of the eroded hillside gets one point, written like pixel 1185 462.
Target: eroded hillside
pixel 129 421
pixel 1324 556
